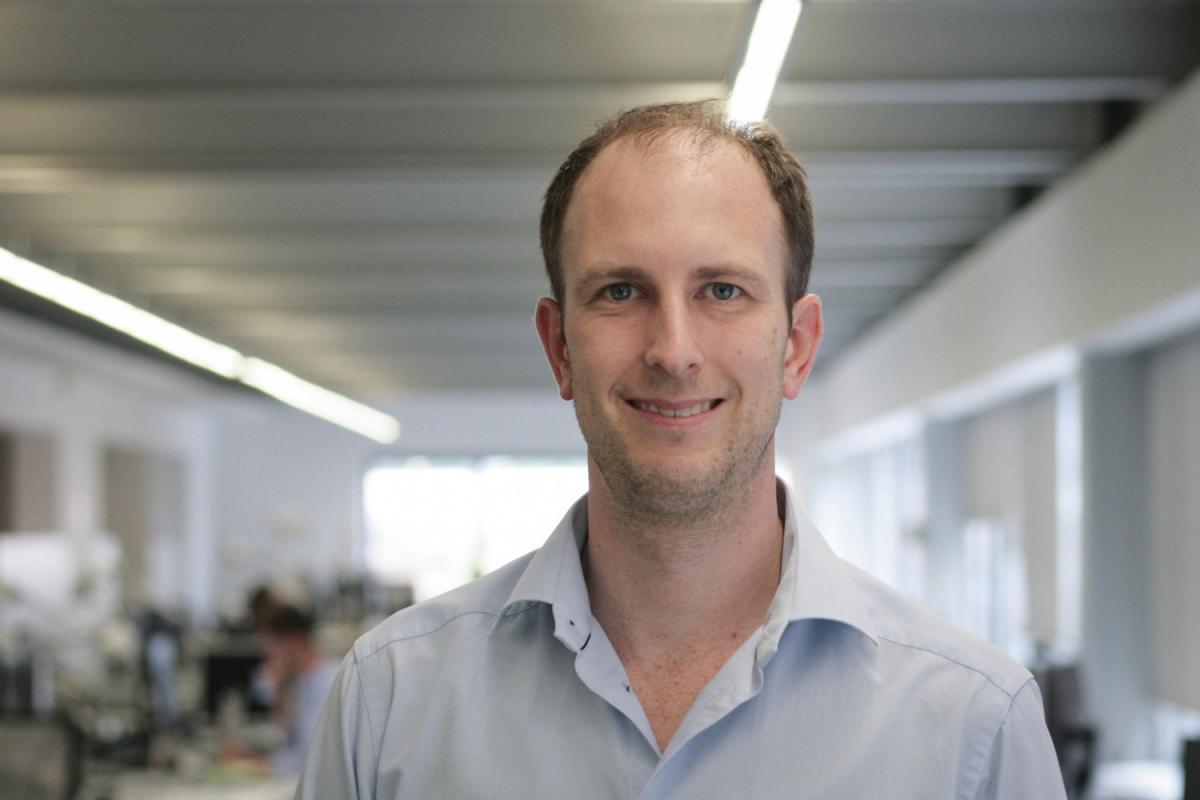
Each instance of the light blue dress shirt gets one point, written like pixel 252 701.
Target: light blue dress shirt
pixel 509 688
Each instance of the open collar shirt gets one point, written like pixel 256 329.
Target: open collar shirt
pixel 509 688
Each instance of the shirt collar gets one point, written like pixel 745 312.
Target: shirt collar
pixel 818 581
pixel 555 576
pixel 814 582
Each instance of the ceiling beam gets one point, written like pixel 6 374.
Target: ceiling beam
pixel 485 98
pixel 293 181
pixel 129 42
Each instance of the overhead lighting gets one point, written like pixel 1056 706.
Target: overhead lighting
pixel 770 36
pixel 119 315
pixel 318 401
pixel 196 350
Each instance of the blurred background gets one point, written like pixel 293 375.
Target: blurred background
pixel 336 201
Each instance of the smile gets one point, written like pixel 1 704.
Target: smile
pixel 686 411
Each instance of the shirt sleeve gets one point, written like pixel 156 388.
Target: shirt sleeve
pixel 342 755
pixel 1023 764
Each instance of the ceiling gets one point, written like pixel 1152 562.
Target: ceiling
pixel 350 188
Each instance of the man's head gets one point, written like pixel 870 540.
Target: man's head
pixel 287 639
pixel 674 331
pixel 705 120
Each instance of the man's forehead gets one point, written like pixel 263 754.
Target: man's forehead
pixel 640 165
pixel 682 149
pixel 637 179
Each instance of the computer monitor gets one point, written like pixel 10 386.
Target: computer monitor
pixel 228 672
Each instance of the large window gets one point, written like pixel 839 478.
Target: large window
pixel 435 524
pixel 996 589
pixel 1012 460
pixel 871 508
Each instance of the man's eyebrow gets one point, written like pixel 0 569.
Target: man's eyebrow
pixel 607 273
pixel 734 272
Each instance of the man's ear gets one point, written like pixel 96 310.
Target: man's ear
pixel 804 338
pixel 549 321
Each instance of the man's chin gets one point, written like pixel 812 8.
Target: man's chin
pixel 675 491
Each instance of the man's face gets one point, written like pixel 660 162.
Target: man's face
pixel 675 343
pixel 282 653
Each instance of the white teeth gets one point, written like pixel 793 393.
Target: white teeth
pixel 699 408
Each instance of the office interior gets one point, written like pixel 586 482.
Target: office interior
pixel 1004 422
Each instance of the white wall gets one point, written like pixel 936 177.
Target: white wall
pixel 84 396
pixel 1116 244
pixel 288 485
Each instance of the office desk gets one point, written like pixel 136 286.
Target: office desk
pixel 158 786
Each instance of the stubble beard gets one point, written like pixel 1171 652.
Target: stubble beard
pixel 646 494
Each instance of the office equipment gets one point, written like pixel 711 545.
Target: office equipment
pixel 1074 740
pixel 1191 769
pixel 40 759
pixel 232 672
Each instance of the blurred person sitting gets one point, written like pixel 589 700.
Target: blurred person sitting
pixel 299 676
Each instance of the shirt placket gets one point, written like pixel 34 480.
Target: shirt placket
pixel 739 681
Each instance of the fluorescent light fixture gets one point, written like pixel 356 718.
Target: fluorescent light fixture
pixel 119 315
pixel 195 349
pixel 297 392
pixel 770 36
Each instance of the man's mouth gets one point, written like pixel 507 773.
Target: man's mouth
pixel 675 410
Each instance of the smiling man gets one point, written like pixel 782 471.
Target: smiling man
pixel 685 632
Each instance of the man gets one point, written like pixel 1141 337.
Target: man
pixel 685 632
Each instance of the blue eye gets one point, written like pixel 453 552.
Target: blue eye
pixel 724 291
pixel 619 291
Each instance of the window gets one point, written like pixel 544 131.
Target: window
pixel 437 523
pixel 994 604
pixel 871 507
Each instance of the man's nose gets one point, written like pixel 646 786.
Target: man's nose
pixel 671 343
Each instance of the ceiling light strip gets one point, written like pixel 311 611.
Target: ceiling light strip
pixel 774 24
pixel 120 315
pixel 195 349
pixel 318 401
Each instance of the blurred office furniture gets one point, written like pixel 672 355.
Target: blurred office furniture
pixel 1137 780
pixel 230 671
pixel 1074 739
pixel 16 680
pixel 346 601
pixel 1076 748
pixel 58 598
pixel 40 759
pixel 160 656
pixel 150 786
pixel 1191 769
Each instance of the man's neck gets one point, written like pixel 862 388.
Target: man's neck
pixel 656 586
pixel 676 602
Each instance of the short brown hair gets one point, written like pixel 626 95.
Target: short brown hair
pixel 707 119
pixel 288 620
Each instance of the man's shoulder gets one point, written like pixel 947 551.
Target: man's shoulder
pixel 475 605
pixel 912 628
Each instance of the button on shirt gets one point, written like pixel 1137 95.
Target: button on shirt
pixel 509 688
